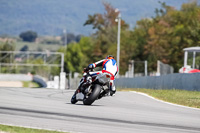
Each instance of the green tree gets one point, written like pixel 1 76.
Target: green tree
pixel 105 38
pixel 43 71
pixel 86 45
pixel 24 48
pixel 6 57
pixel 77 55
pixel 6 46
pixel 162 37
pixel 28 36
pixel 74 58
pixel 167 34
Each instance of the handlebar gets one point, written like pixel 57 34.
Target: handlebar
pixel 87 71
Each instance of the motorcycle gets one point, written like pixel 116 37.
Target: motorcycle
pixel 92 88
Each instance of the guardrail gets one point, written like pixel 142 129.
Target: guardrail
pixel 23 77
pixel 15 77
pixel 38 79
pixel 183 81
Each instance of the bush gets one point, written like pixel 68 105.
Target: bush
pixel 28 36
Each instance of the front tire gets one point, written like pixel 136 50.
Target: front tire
pixel 93 96
pixel 73 99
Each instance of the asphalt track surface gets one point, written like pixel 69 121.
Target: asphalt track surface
pixel 126 112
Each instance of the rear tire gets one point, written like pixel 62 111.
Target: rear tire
pixel 93 96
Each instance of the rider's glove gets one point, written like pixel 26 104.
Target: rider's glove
pixel 85 70
pixel 90 67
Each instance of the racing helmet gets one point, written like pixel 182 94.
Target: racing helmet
pixel 110 57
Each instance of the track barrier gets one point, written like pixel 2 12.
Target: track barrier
pixel 183 81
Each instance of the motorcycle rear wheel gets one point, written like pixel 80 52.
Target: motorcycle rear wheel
pixel 93 96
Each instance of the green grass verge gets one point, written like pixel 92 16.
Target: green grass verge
pixel 29 84
pixel 35 47
pixel 14 129
pixel 181 97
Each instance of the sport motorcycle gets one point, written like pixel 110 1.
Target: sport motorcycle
pixel 92 88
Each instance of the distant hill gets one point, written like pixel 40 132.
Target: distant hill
pixel 50 17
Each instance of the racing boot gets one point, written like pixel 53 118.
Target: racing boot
pixel 103 93
pixel 112 89
pixel 112 93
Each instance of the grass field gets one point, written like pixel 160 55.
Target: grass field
pixel 181 97
pixel 29 84
pixel 13 129
pixel 36 47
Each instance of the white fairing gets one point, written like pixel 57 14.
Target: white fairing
pixel 185 69
pixel 103 78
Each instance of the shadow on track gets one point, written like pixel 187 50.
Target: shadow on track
pixel 79 104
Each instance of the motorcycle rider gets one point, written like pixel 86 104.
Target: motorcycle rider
pixel 109 66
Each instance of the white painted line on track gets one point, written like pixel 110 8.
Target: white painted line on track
pixel 144 94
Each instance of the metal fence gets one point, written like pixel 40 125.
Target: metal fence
pixel 27 61
pixel 140 68
pixel 163 69
pixel 136 69
pixel 171 81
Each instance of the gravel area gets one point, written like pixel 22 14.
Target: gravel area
pixel 11 84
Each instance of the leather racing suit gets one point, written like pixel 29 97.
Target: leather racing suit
pixel 109 66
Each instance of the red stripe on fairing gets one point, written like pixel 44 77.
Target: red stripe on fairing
pixel 104 62
pixel 112 76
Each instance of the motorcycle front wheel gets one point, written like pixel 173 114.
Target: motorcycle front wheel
pixel 93 96
pixel 73 99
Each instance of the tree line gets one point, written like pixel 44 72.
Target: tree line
pixel 161 37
